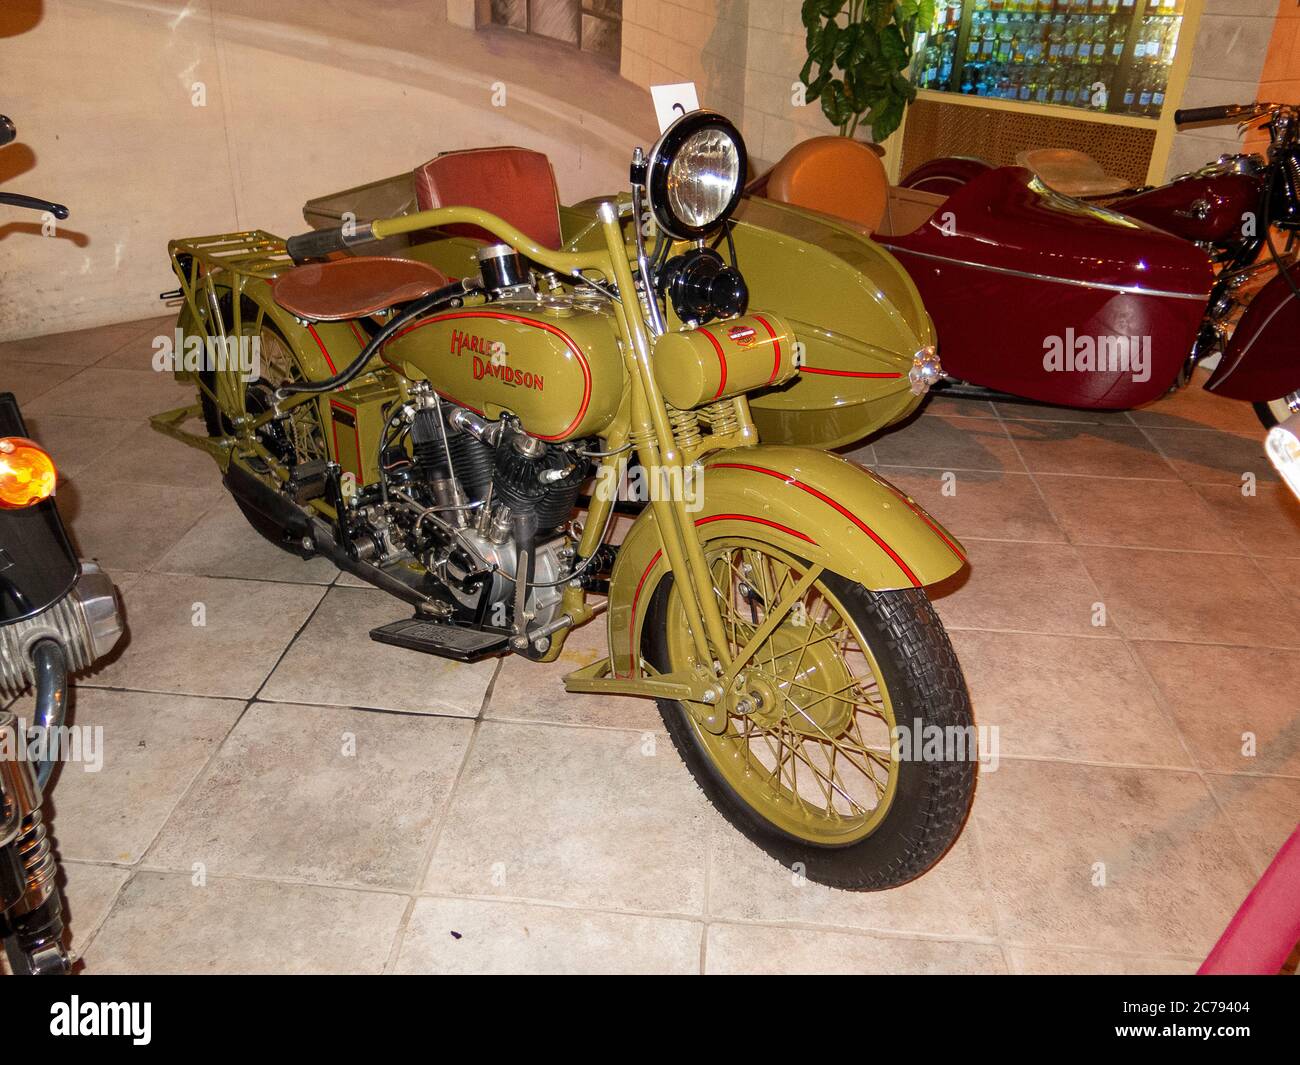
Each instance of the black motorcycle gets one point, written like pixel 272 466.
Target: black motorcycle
pixel 57 616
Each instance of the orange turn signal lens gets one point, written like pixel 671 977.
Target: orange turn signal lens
pixel 27 473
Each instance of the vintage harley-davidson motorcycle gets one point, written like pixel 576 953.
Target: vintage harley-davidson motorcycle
pixel 429 418
pixel 1097 306
pixel 57 616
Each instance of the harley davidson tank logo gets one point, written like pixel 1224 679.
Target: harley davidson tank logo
pixel 507 374
pixel 462 341
pixel 742 334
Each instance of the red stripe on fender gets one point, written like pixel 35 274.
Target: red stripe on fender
pixel 852 373
pixel 567 340
pixel 776 344
pixel 722 360
pixel 907 572
pixel 636 665
pixel 321 344
pixel 926 518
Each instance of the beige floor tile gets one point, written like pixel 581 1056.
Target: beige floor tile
pixel 162 923
pixel 130 526
pixel 983 505
pixel 1025 587
pixel 138 352
pixel 1264 811
pixel 79 348
pixel 134 395
pixel 27 380
pixel 735 948
pixel 747 885
pixel 223 544
pixel 1174 872
pixel 334 661
pixel 948 443
pixel 321 794
pixel 145 456
pixel 1066 697
pixel 1173 595
pixel 1266 524
pixel 951 406
pixel 1089 450
pixel 247 625
pixel 531 691
pixel 1222 698
pixel 1209 457
pixel 587 817
pixel 76 443
pixel 1127 513
pixel 1284 575
pixel 504 937
pixel 1195 408
pixel 1045 412
pixel 88 894
pixel 1035 962
pixel 149 749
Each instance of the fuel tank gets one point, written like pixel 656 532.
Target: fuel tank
pixel 1197 207
pixel 553 363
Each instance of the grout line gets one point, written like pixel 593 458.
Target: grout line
pixel 440 822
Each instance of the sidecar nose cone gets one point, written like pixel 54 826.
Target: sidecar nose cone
pixel 925 370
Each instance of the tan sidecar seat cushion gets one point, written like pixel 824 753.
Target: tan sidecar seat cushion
pixel 353 287
pixel 1071 173
pixel 514 184
pixel 834 175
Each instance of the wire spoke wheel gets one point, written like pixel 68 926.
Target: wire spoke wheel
pixel 826 674
pixel 807 742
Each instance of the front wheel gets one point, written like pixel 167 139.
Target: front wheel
pixel 848 748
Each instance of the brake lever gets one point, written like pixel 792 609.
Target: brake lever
pixel 14 199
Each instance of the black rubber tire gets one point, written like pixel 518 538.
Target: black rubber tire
pixel 925 681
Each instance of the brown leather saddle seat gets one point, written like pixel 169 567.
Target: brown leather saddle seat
pixel 354 287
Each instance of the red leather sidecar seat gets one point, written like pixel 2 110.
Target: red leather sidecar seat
pixel 515 184
pixel 834 175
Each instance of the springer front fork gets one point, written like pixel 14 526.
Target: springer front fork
pixel 31 914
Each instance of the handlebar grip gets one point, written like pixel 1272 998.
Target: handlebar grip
pixel 1221 113
pixel 321 242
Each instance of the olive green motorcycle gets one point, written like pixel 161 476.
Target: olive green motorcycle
pixel 431 415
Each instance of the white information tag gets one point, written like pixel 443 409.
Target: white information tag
pixel 673 101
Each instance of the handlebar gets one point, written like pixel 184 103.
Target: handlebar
pixel 7 131
pixel 322 242
pixel 32 203
pixel 1186 116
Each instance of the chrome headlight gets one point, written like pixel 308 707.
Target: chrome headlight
pixel 695 174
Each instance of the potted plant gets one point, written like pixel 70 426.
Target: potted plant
pixel 858 55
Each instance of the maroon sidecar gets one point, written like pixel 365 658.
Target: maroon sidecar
pixel 1046 297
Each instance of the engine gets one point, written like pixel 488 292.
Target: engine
pixel 483 507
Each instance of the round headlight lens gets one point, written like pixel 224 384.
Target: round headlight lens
pixel 695 174
pixel 703 177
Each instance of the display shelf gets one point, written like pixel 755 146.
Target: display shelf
pixel 1096 58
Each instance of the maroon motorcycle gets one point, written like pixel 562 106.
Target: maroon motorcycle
pixel 1164 275
pixel 1062 300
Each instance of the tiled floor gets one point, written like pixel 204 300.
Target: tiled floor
pixel 280 794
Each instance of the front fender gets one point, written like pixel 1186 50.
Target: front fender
pixel 811 503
